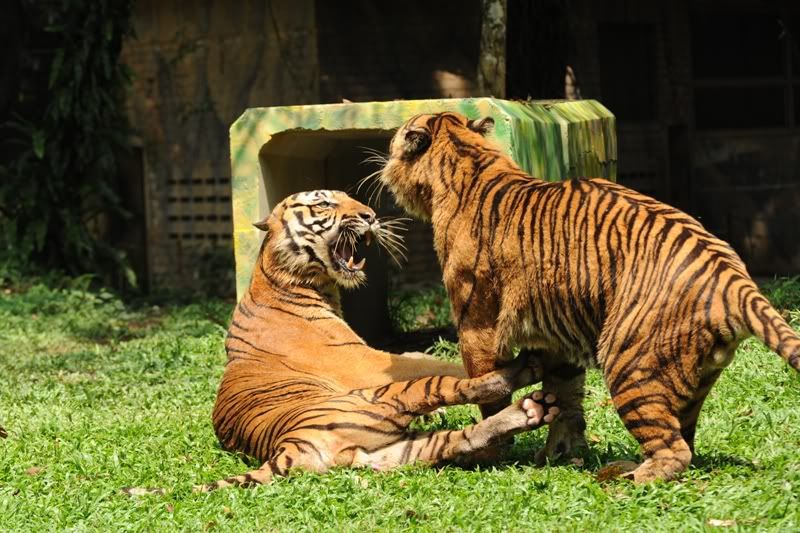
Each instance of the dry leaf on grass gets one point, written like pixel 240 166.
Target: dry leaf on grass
pixel 142 491
pixel 614 470
pixel 577 461
pixel 34 470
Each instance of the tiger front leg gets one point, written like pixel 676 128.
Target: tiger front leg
pixel 420 396
pixel 480 358
pixel 526 414
pixel 566 436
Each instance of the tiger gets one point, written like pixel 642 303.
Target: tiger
pixel 301 389
pixel 585 273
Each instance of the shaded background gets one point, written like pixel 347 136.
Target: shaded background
pixel 707 96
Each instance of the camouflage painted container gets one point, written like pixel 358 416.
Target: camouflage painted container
pixel 276 151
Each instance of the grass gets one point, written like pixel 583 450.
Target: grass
pixel 97 396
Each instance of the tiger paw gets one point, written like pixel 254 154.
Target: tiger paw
pixel 539 408
pixel 490 454
pixel 564 441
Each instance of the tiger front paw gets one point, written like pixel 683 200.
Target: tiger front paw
pixel 525 370
pixel 564 441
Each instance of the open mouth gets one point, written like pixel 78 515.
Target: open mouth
pixel 345 248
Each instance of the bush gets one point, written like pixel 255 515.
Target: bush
pixel 425 308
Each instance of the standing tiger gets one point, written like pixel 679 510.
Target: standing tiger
pixel 585 272
pixel 301 389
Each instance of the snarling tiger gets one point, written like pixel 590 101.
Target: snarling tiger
pixel 302 390
pixel 585 272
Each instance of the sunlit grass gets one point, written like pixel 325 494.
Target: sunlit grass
pixel 97 395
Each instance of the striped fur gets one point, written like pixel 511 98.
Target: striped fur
pixel 586 272
pixel 301 389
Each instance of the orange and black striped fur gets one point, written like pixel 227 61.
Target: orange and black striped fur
pixel 301 389
pixel 586 272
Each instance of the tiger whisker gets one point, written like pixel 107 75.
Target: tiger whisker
pixel 365 179
pixel 381 187
pixel 394 253
pixel 389 234
pixel 389 239
pixel 375 153
pixel 393 225
pixel 375 159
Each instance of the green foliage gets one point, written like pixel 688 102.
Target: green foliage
pixel 425 308
pixel 784 293
pixel 89 410
pixel 64 127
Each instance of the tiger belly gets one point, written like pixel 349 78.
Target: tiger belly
pixel 533 334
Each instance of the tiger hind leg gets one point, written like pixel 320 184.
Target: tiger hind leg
pixel 531 412
pixel 652 418
pixel 689 414
pixel 660 404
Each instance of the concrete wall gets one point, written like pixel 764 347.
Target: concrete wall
pixel 743 183
pixel 197 66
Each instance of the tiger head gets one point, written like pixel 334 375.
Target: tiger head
pixel 413 166
pixel 313 237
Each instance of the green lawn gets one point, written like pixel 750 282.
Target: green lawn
pixel 97 396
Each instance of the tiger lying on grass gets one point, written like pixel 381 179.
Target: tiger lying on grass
pixel 586 272
pixel 302 390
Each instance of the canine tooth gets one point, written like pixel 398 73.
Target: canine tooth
pixel 368 238
pixel 360 264
pixel 350 262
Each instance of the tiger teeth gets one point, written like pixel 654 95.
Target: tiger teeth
pixel 360 264
pixel 368 238
pixel 350 262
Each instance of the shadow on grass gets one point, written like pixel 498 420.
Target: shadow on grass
pixel 717 461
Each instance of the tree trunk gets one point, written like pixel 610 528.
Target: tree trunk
pixel 492 56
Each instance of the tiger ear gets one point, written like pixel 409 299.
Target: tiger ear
pixel 481 125
pixel 263 225
pixel 417 141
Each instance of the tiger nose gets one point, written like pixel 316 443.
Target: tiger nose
pixel 367 216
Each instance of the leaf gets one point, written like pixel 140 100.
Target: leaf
pixel 3 433
pixel 34 471
pixel 614 470
pixel 142 491
pixel 56 67
pixel 130 276
pixel 38 143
